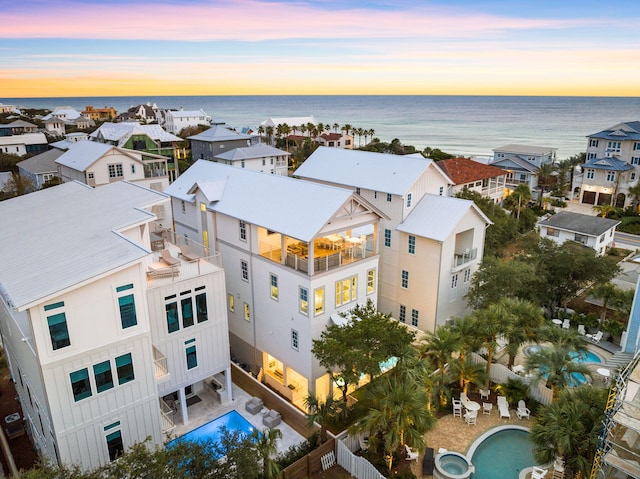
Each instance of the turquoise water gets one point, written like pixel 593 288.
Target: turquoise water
pixel 503 455
pixel 585 357
pixel 233 421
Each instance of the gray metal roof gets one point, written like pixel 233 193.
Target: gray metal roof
pixel 611 164
pixel 296 208
pixel 261 150
pixel 382 172
pixel 219 133
pixel 576 222
pixel 525 149
pixel 55 238
pixel 629 130
pixel 436 217
pixel 83 154
pixel 42 163
pixel 514 162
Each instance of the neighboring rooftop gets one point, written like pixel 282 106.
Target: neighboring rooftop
pixel 219 133
pixel 121 132
pixel 611 164
pixel 464 170
pixel 42 163
pixel 291 121
pixel 261 150
pixel 585 224
pixel 525 149
pixel 82 154
pixel 629 130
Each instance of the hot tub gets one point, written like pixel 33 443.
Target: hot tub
pixel 452 465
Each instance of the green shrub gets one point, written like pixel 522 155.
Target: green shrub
pixel 298 451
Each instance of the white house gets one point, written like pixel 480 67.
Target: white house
pixel 40 168
pixel 522 163
pixel 336 140
pixel 487 180
pixel 430 245
pixel 592 231
pixel 20 145
pixel 295 254
pixel 176 120
pixel 97 328
pixel 260 157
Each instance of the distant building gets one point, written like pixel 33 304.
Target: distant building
pixel 488 180
pixel 592 231
pixel 144 113
pixel 176 121
pixel 23 144
pixel 336 140
pixel 292 122
pixel 18 127
pixel 62 117
pixel 106 113
pixel 217 140
pixel 7 108
pixel 522 163
pixel 260 157
pixel 40 168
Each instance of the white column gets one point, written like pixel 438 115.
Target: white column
pixel 183 407
pixel 228 385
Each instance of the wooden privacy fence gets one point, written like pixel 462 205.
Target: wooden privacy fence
pixel 501 374
pixel 309 464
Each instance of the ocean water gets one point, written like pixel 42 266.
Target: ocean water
pixel 463 125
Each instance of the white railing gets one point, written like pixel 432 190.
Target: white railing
pixel 357 466
pixel 467 256
pixel 160 363
pixel 166 417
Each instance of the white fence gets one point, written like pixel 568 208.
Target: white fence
pixel 357 466
pixel 501 374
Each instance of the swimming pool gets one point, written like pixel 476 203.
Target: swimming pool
pixel 210 431
pixel 582 357
pixel 502 453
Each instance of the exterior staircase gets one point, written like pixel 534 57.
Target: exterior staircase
pixel 619 360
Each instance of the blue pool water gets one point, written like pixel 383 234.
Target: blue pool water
pixel 585 357
pixel 503 455
pixel 233 421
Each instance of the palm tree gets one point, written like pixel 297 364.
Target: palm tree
pixel 517 199
pixel 605 210
pixel 556 366
pixel 347 128
pixel 359 132
pixel 438 348
pixel 468 372
pixel 609 293
pixel 261 131
pixel 266 444
pixel 335 127
pixel 569 339
pixel 322 412
pixel 467 330
pixel 269 132
pixel 491 325
pixel 634 191
pixel 545 173
pixel 523 322
pixel 286 131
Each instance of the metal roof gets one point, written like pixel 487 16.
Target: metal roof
pixel 121 132
pixel 576 222
pixel 42 163
pixel 611 164
pixel 525 149
pixel 296 208
pixel 219 133
pixel 260 150
pixel 58 237
pixel 82 154
pixel 629 130
pixel 514 162
pixel 24 139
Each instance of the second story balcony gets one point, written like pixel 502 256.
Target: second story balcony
pixel 460 260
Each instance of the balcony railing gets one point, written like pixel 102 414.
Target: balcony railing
pixel 464 258
pixel 161 366
pixel 166 417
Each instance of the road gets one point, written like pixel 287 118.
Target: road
pixel 623 240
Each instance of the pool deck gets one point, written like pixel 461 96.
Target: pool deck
pixel 210 408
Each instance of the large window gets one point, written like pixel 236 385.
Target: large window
pixel 58 326
pixel 615 146
pixel 186 307
pixel 171 310
pixel 553 232
pixel 103 376
pixel 294 339
pixel 318 301
pixel 115 170
pixel 303 300
pixel 201 306
pixel 80 384
pixel 404 279
pixel 414 318
pixel 371 281
pixel 273 279
pixel 114 445
pixel 124 368
pixel 591 173
pixel 387 237
pixel 412 244
pixel 593 143
pixel 186 312
pixel 402 317
pixel 346 290
pixel 192 357
pixel 611 176
pixel 244 270
pixel 243 230
pixel 127 306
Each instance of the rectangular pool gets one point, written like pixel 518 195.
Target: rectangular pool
pixel 210 431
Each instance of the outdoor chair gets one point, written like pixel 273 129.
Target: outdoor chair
pixel 485 393
pixel 254 405
pixel 538 473
pixel 165 255
pixel 272 419
pixel 187 254
pixel 595 338
pixel 486 408
pixel 364 442
pixel 566 324
pixel 523 410
pixel 457 408
pixel 470 417
pixel 428 462
pixel 581 330
pixel 503 407
pixel 411 454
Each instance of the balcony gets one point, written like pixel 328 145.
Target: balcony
pixel 160 364
pixel 166 417
pixel 461 260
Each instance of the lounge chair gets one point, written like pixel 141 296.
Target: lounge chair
pixel 581 330
pixel 523 410
pixel 503 407
pixel 164 272
pixel 538 473
pixel 566 324
pixel 254 405
pixel 272 419
pixel 595 338
pixel 411 454
pixel 186 253
pixel 165 255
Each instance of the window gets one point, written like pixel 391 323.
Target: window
pixel 591 173
pixel 294 339
pixel 405 279
pixel 103 376
pixel 244 269
pixel 201 307
pixel 243 231
pixel 127 307
pixel 454 281
pixel 274 286
pixel 467 275
pixel 591 156
pixel 303 300
pixel 346 290
pixel 58 328
pixel 553 232
pixel 186 306
pixel 115 170
pixel 242 164
pixel 124 368
pixel 408 200
pixel 247 312
pixel 614 146
pixel 318 301
pixel 581 238
pixel 636 146
pixel 371 281
pixel 232 302
pixel 389 197
pixel 611 176
pixel 133 168
pixel 114 445
pixel 387 237
pixel 264 162
pixel 593 143
pixel 192 357
pixel 183 206
pixel 441 190
pixel 414 318
pixel 402 317
pixel 171 310
pixel 412 244
pixel 357 190
pixel 635 160
pixel 375 195
pixel 632 177
pixel 80 384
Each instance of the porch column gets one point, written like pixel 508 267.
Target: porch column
pixel 183 406
pixel 228 384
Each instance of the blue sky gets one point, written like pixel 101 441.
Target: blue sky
pixel 138 47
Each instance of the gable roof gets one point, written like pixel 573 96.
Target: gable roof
pixel 629 130
pixel 219 133
pixel 464 170
pixel 43 163
pixel 66 111
pixel 296 208
pixel 260 150
pixel 290 120
pixel 382 172
pixel 187 113
pixel 77 237
pixel 24 139
pixel 83 154
pixel 579 223
pixel 611 164
pixel 121 132
pixel 22 123
pixel 525 149
pixel 514 162
pixel 436 217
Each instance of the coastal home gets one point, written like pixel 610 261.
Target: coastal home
pixel 430 244
pixel 63 117
pixel 335 140
pixel 106 113
pixel 144 113
pixel 40 169
pixel 487 180
pixel 216 140
pixel 176 121
pixel 7 108
pixel 17 127
pixel 23 144
pixel 261 157
pixel 522 163
pixel 145 139
pixel 296 254
pixel 294 122
pixel 97 327
pixel 612 166
pixel 70 139
pixel 98 164
pixel 592 231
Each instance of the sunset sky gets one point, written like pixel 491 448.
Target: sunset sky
pixel 237 47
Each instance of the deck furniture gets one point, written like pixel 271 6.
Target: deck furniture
pixel 411 454
pixel 165 255
pixel 538 472
pixel 523 410
pixel 595 338
pixel 428 462
pixel 566 324
pixel 485 393
pixel 187 254
pixel 581 330
pixel 486 408
pixel 457 408
pixel 254 405
pixel 503 407
pixel 470 417
pixel 163 272
pixel 272 419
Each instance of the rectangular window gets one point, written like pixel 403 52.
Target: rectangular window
pixel 103 376
pixel 591 173
pixel 441 190
pixel 593 143
pixel 274 286
pixel 403 314
pixel 414 318
pixel 408 200
pixel 243 231
pixel 115 171
pixel 454 281
pixel 303 301
pixel 58 330
pixel 114 445
pixel 171 310
pixel 186 305
pixel 294 339
pixel 192 358
pixel 318 301
pixel 412 244
pixel 467 275
pixel 636 146
pixel 201 307
pixel 387 237
pixel 611 176
pixel 635 160
pixel 80 384
pixel 614 146
pixel 357 191
pixel 371 281
pixel 247 312
pixel 581 238
pixel 346 290
pixel 405 279
pixel 127 307
pixel 124 368
pixel 244 269
pixel 553 232
pixel 389 197
pixel 232 302
pixel 632 177
pixel 591 156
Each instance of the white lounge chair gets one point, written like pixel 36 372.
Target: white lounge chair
pixel 595 338
pixel 187 254
pixel 581 330
pixel 503 407
pixel 411 454
pixel 484 393
pixel 165 255
pixel 523 410
pixel 538 473
pixel 457 407
pixel 566 324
